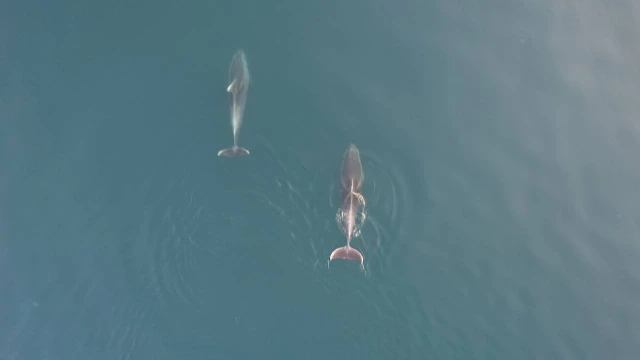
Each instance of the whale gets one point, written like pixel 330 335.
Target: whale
pixel 238 85
pixel 351 179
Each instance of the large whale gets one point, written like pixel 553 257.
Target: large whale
pixel 351 178
pixel 238 86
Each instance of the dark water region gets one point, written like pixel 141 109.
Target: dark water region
pixel 497 142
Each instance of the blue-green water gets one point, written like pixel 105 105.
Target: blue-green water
pixel 498 142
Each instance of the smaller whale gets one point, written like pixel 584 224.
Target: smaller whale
pixel 351 179
pixel 239 79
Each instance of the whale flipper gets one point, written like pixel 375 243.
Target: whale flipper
pixel 232 87
pixel 234 151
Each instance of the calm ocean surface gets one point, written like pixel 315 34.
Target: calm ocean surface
pixel 499 142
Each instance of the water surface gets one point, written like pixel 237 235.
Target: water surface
pixel 497 142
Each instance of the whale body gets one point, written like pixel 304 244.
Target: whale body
pixel 239 79
pixel 351 179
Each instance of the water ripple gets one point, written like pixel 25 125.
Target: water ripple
pixel 175 231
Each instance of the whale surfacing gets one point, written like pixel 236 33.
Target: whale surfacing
pixel 239 80
pixel 351 179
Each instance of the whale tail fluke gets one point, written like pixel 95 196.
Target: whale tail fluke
pixel 347 253
pixel 234 151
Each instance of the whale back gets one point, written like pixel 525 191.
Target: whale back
pixel 351 175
